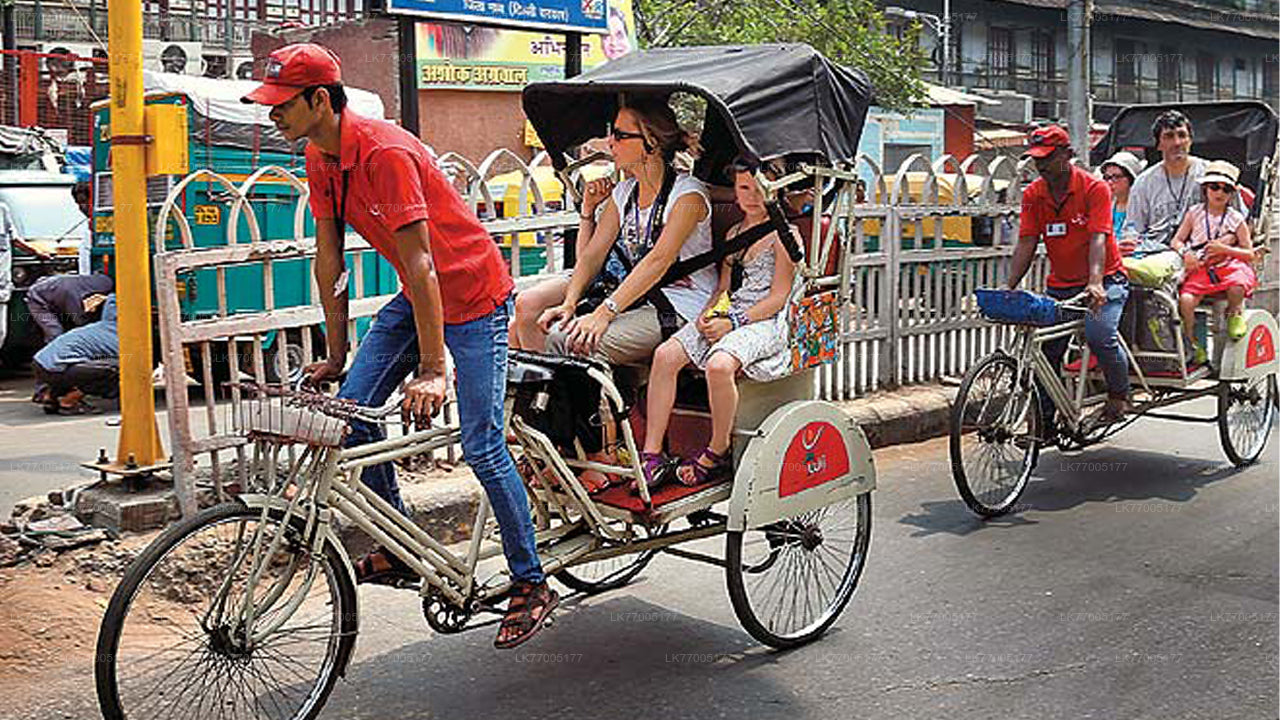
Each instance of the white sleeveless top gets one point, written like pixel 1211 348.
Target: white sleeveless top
pixel 690 294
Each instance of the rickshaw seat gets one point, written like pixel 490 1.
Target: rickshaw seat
pixel 619 496
pixel 1074 365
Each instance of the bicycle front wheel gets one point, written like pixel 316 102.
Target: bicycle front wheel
pixel 177 641
pixel 995 427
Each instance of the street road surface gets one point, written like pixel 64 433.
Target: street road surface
pixel 1139 581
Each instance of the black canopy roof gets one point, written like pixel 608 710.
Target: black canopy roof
pixel 763 101
pixel 1242 132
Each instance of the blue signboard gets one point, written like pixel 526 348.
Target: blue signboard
pixel 586 16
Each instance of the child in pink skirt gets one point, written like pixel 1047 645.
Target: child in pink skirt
pixel 1217 253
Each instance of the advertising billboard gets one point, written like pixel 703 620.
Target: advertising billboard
pixel 457 56
pixel 585 16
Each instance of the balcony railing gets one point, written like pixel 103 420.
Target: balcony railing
pixel 66 24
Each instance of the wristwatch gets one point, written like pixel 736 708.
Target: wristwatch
pixel 611 306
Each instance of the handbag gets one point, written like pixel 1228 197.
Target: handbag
pixel 814 330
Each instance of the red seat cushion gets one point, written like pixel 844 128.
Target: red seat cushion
pixel 620 496
pixel 1074 365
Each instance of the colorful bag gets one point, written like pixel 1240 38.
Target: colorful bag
pixel 814 330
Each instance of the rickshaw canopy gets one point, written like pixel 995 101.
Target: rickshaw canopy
pixel 1242 132
pixel 764 102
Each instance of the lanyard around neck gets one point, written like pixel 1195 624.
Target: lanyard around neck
pixel 1222 219
pixel 1182 189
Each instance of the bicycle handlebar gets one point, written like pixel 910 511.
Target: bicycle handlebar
pixel 361 412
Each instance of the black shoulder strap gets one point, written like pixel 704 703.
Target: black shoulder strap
pixel 741 241
pixel 657 212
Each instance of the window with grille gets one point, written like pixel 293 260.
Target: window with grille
pixel 1169 69
pixel 1126 63
pixel 1206 75
pixel 1000 51
pixel 1270 79
pixel 1042 58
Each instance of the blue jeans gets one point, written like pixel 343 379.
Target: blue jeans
pixel 389 353
pixel 1101 331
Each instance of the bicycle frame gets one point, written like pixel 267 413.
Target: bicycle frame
pixel 328 480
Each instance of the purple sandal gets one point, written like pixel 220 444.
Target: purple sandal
pixel 656 469
pixel 694 472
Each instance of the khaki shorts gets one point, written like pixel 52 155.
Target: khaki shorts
pixel 630 340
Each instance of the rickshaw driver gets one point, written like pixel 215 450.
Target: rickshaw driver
pixel 456 291
pixel 1071 210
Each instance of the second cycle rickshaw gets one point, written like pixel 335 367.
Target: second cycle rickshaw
pixel 1001 418
pixel 249 608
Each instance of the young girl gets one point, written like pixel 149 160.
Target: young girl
pixel 750 336
pixel 1216 251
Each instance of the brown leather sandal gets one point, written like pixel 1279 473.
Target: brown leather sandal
pixel 528 611
pixel 396 574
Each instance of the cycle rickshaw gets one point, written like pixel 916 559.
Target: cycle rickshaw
pixel 998 422
pixel 251 605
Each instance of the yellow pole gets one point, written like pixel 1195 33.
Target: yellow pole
pixel 139 436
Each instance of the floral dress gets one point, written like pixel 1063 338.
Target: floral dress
pixel 760 346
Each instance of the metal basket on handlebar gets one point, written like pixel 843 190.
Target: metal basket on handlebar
pixel 1017 307
pixel 284 415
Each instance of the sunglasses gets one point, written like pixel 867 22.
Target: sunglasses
pixel 620 135
pixel 1113 176
pixel 1219 187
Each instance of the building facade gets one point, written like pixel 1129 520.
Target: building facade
pixel 196 37
pixel 1141 50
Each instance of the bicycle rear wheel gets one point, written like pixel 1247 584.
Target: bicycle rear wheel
pixel 995 430
pixel 1246 414
pixel 174 644
pixel 790 580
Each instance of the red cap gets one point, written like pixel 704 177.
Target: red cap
pixel 1043 141
pixel 293 68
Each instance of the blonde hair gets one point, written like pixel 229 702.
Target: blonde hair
pixel 660 127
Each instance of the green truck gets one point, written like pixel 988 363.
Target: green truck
pixel 200 123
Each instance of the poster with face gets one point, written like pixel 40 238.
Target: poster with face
pixel 460 56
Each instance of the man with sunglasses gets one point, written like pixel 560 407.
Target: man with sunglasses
pixel 456 292
pixel 1070 210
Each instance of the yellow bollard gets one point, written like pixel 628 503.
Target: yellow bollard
pixel 139 437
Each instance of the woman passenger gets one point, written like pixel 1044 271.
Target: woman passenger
pixel 1120 170
pixel 624 329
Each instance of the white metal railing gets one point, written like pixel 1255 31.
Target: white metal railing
pixel 908 257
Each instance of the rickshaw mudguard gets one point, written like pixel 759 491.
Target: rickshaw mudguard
pixel 807 454
pixel 1253 355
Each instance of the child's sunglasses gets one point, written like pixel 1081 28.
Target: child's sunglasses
pixel 1219 187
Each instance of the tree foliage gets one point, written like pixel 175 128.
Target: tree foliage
pixel 850 32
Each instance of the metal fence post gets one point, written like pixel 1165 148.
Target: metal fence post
pixel 891 306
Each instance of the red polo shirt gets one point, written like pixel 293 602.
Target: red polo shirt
pixel 1066 227
pixel 393 182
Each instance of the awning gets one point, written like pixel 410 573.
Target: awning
pixel 998 138
pixel 940 95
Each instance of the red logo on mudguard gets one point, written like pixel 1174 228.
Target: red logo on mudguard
pixel 817 454
pixel 1262 348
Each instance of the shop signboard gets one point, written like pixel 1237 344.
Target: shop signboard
pixel 471 57
pixel 584 16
